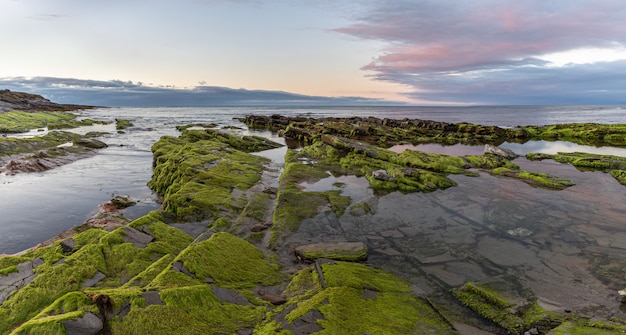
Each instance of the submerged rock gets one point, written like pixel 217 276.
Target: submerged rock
pixel 343 251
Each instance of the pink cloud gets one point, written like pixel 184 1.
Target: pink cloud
pixel 439 38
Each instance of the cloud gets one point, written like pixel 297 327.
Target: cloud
pixel 443 50
pixel 128 93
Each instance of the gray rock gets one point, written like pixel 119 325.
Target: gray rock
pixel 16 280
pixel 229 296
pixel 502 152
pixel 68 244
pixel 381 175
pixel 306 324
pixel 152 298
pixel 136 237
pixel 259 227
pixel 180 267
pixel 89 324
pixel 94 280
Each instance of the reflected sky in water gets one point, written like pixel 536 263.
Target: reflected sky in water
pixel 545 147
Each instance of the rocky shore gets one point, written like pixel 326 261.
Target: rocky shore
pixel 224 253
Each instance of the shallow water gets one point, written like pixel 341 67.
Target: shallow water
pixel 568 246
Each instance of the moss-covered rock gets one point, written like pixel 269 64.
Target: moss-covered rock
pixel 18 121
pixel 197 172
pixel 533 178
pixel 357 300
pixel 506 308
pixel 342 251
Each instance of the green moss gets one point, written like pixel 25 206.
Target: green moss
pixel 151 272
pixel 50 325
pixel 122 124
pixel 494 307
pixel 359 276
pixel 10 262
pixel 221 224
pixel 619 175
pixel 11 145
pixel 74 124
pixel 196 178
pixel 230 261
pixel 338 203
pixel 584 327
pixel 362 208
pixel 125 261
pixel 51 283
pixel 192 309
pixel 10 269
pixel 258 207
pixel 18 122
pixel 89 236
pixel 241 143
pixel 393 310
pixel 292 203
pixel 534 178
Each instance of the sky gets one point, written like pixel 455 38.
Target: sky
pixel 451 52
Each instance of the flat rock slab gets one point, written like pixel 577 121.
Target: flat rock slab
pixel 152 298
pixel 16 280
pixel 94 280
pixel 341 251
pixel 230 296
pixel 136 237
pixel 89 324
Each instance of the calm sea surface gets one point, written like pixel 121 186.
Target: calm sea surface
pixel 568 247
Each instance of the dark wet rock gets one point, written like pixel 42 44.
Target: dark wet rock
pixel 94 280
pixel 502 152
pixel 68 245
pixel 274 299
pixel 306 324
pixel 136 237
pixel 117 203
pixel 230 296
pixel 245 331
pixel 369 294
pixel 381 175
pixel 345 251
pixel 180 267
pixel 152 298
pixel 88 324
pixel 259 227
pixel 121 312
pixel 90 143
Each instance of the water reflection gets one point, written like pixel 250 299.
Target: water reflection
pixel 546 147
